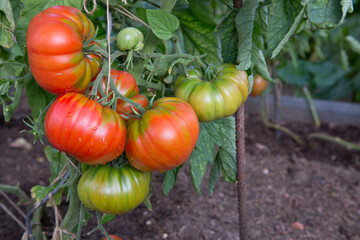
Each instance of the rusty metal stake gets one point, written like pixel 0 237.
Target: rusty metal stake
pixel 241 165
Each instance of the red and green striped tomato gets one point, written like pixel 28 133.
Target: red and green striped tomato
pixel 113 190
pixel 164 137
pixel 55 44
pixel 126 85
pixel 86 130
pixel 214 99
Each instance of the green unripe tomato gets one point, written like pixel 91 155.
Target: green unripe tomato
pixel 113 190
pixel 214 99
pixel 130 39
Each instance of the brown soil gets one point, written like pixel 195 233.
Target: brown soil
pixel 293 192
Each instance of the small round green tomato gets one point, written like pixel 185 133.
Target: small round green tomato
pixel 113 190
pixel 130 39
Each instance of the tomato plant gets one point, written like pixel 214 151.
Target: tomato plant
pixel 130 38
pixel 164 137
pixel 65 50
pixel 115 190
pixel 91 133
pixel 259 86
pixel 217 98
pixel 126 85
pixel 55 45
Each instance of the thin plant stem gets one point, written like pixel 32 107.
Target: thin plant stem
pixel 13 204
pixel 312 106
pixel 108 18
pixel 296 137
pixel 336 140
pixel 13 216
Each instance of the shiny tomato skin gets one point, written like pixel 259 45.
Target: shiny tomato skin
pixel 214 99
pixel 113 190
pixel 130 38
pixel 164 137
pixel 259 86
pixel 126 85
pixel 54 41
pixel 86 130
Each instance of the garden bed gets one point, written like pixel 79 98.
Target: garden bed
pixel 293 192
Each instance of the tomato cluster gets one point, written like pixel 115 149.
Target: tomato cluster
pixel 161 139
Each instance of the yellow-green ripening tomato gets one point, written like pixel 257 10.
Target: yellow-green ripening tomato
pixel 214 99
pixel 115 190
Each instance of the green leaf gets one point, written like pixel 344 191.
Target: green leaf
pixel 227 152
pixel 170 179
pixel 244 23
pixel 39 192
pixel 344 60
pixel 37 98
pixel 284 20
pixel 7 23
pixel 221 132
pixel 162 23
pixel 298 76
pixel 72 3
pixel 147 200
pixel 202 10
pixel 346 7
pixel 4 86
pixel 353 43
pixel 258 58
pixel 214 175
pixel 56 159
pixel 107 218
pixel 33 7
pixel 325 13
pixel 228 37
pixel 198 37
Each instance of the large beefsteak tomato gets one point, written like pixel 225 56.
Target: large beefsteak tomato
pixel 55 44
pixel 91 133
pixel 214 99
pixel 164 137
pixel 113 190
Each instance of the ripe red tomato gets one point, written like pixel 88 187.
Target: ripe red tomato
pixel 126 85
pixel 259 86
pixel 114 237
pixel 115 190
pixel 164 137
pixel 91 133
pixel 55 41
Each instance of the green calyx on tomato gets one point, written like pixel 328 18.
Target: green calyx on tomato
pixel 55 42
pixel 164 137
pixel 130 39
pixel 86 130
pixel 125 84
pixel 214 99
pixel 115 190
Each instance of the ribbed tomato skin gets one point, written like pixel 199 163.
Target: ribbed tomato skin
pixel 113 190
pixel 164 137
pixel 91 133
pixel 54 42
pixel 214 99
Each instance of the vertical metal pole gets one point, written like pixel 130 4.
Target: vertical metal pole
pixel 241 165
